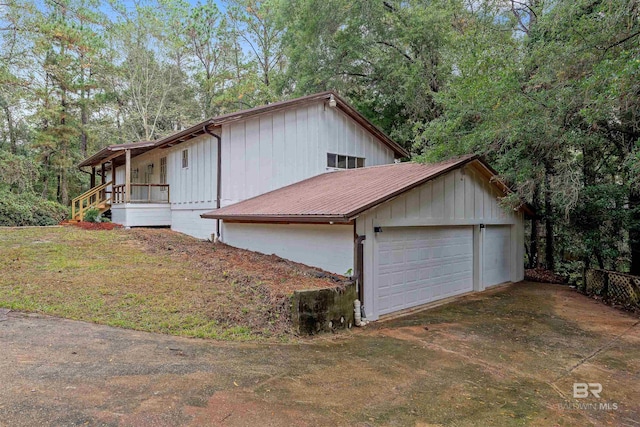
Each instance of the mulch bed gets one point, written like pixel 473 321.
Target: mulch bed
pixel 543 275
pixel 92 225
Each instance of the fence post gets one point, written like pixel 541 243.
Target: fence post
pixel 605 286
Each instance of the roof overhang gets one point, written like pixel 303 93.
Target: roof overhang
pixel 112 152
pixel 283 219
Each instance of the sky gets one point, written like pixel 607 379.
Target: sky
pixel 130 5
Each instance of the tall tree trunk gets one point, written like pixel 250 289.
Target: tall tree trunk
pixel 634 231
pixel 64 187
pixel 548 212
pixel 84 116
pixel 45 177
pixel 63 190
pixel 13 140
pixel 58 188
pixel 533 242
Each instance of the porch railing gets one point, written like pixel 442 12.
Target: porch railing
pixel 141 193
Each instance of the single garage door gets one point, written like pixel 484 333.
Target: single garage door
pixel 496 267
pixel 417 265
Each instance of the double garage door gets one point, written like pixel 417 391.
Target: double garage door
pixel 417 265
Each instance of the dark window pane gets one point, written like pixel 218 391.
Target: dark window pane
pixel 342 162
pixel 351 162
pixel 331 160
pixel 360 162
pixel 185 158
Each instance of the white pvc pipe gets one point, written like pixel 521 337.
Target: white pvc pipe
pixel 356 312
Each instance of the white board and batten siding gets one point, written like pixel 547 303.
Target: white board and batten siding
pixel 328 247
pixel 442 216
pixel 259 154
pixel 193 188
pixel 141 214
pixel 276 149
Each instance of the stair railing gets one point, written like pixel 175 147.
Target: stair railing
pixel 89 199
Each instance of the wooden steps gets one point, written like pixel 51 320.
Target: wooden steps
pixel 97 198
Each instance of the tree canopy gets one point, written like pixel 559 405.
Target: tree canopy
pixel 547 90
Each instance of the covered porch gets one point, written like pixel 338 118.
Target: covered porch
pixel 129 189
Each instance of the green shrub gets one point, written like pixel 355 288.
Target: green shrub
pixel 92 215
pixel 29 209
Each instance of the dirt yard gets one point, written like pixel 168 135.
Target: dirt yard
pixel 508 357
pixel 150 280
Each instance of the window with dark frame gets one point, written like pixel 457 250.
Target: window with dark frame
pixel 339 161
pixel 185 159
pixel 163 173
pixel 331 160
pixel 342 162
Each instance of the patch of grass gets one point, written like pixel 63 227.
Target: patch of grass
pixel 149 280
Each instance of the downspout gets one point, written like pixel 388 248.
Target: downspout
pixel 218 177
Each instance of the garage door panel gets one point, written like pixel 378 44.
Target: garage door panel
pixel 426 264
pixel 496 255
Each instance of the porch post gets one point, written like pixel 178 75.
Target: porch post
pixel 127 177
pixel 103 170
pixel 115 197
pixel 93 176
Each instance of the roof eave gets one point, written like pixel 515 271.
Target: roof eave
pixel 96 158
pixel 315 219
pixel 198 129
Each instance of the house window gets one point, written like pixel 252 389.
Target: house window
pixel 185 159
pixel 332 162
pixel 338 161
pixel 163 170
pixel 134 174
pixel 148 173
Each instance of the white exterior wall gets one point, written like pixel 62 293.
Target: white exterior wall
pixel 259 154
pixel 272 150
pixel 329 247
pixel 193 189
pixel 460 197
pixel 141 214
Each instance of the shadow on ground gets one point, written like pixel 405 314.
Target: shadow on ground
pixel 506 357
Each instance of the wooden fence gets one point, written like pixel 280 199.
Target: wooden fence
pixel 618 288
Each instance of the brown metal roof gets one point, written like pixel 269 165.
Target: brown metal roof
pixel 339 196
pixel 136 148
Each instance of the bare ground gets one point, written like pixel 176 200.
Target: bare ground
pixel 507 357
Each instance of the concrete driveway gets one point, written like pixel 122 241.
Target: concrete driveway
pixel 507 357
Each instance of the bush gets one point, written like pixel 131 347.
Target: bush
pixel 92 215
pixel 29 209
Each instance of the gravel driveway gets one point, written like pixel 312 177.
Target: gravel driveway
pixel 506 357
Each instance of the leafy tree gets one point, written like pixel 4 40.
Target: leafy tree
pixel 386 56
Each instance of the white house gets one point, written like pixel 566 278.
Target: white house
pixel 313 181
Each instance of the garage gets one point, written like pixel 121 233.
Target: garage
pixel 417 265
pixel 408 234
pixel 496 255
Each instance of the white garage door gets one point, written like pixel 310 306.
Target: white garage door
pixel 496 267
pixel 417 265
